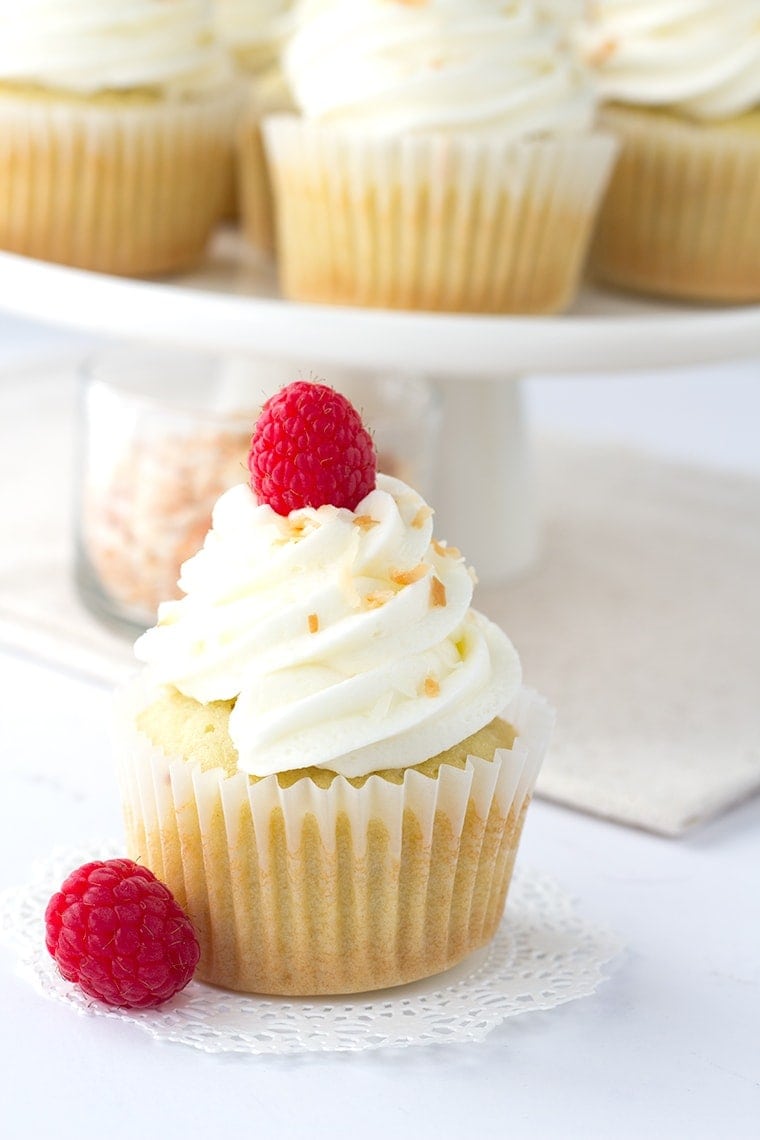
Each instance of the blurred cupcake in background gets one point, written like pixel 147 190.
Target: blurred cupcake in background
pixel 682 86
pixel 254 33
pixel 114 132
pixel 445 158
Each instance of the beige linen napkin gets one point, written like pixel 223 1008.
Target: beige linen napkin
pixel 641 623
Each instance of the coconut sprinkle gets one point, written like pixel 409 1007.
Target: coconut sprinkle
pixel 437 592
pixel 408 577
pixel 378 598
pixel 446 551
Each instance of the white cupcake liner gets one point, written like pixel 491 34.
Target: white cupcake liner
pixel 433 222
pixel 123 186
pixel 681 216
pixel 332 890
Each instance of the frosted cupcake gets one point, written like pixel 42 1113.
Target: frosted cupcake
pixel 115 132
pixel 445 158
pixel 329 755
pixel 682 80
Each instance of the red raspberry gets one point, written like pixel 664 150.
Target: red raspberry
pixel 118 932
pixel 310 448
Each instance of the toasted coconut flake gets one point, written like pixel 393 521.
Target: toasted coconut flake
pixel 604 52
pixel 313 623
pixel 431 687
pixel 422 516
pixel 446 551
pixel 437 592
pixel 378 598
pixel 407 577
pixel 297 528
pixel 365 522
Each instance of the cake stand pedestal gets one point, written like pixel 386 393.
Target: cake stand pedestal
pixel 484 492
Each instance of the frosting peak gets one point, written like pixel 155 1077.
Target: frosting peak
pixel 87 46
pixel 391 66
pixel 699 57
pixel 345 637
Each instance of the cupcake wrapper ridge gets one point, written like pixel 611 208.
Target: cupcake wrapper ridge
pixel 439 222
pixel 681 216
pixel 125 187
pixel 255 196
pixel 307 890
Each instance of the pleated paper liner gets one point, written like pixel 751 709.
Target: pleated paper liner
pixel 438 222
pixel 307 890
pixel 122 185
pixel 681 216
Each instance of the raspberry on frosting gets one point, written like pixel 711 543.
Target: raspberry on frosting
pixel 120 934
pixel 310 448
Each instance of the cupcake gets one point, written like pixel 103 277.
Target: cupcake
pixel 327 755
pixel 115 133
pixel 681 84
pixel 254 32
pixel 444 158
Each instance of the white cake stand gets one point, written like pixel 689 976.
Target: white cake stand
pixel 483 493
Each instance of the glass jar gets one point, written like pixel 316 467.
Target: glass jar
pixel 164 433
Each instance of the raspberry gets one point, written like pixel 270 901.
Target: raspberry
pixel 118 932
pixel 310 448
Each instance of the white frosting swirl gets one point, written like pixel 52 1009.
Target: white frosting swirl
pixel 346 637
pixel 87 46
pixel 395 66
pixel 698 57
pixel 257 25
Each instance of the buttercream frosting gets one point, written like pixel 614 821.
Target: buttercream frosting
pixel 346 638
pixel 258 26
pixel 699 57
pixel 88 46
pixel 391 66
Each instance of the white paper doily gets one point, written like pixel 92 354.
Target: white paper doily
pixel 543 955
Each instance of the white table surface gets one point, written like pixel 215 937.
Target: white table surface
pixel 667 1047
